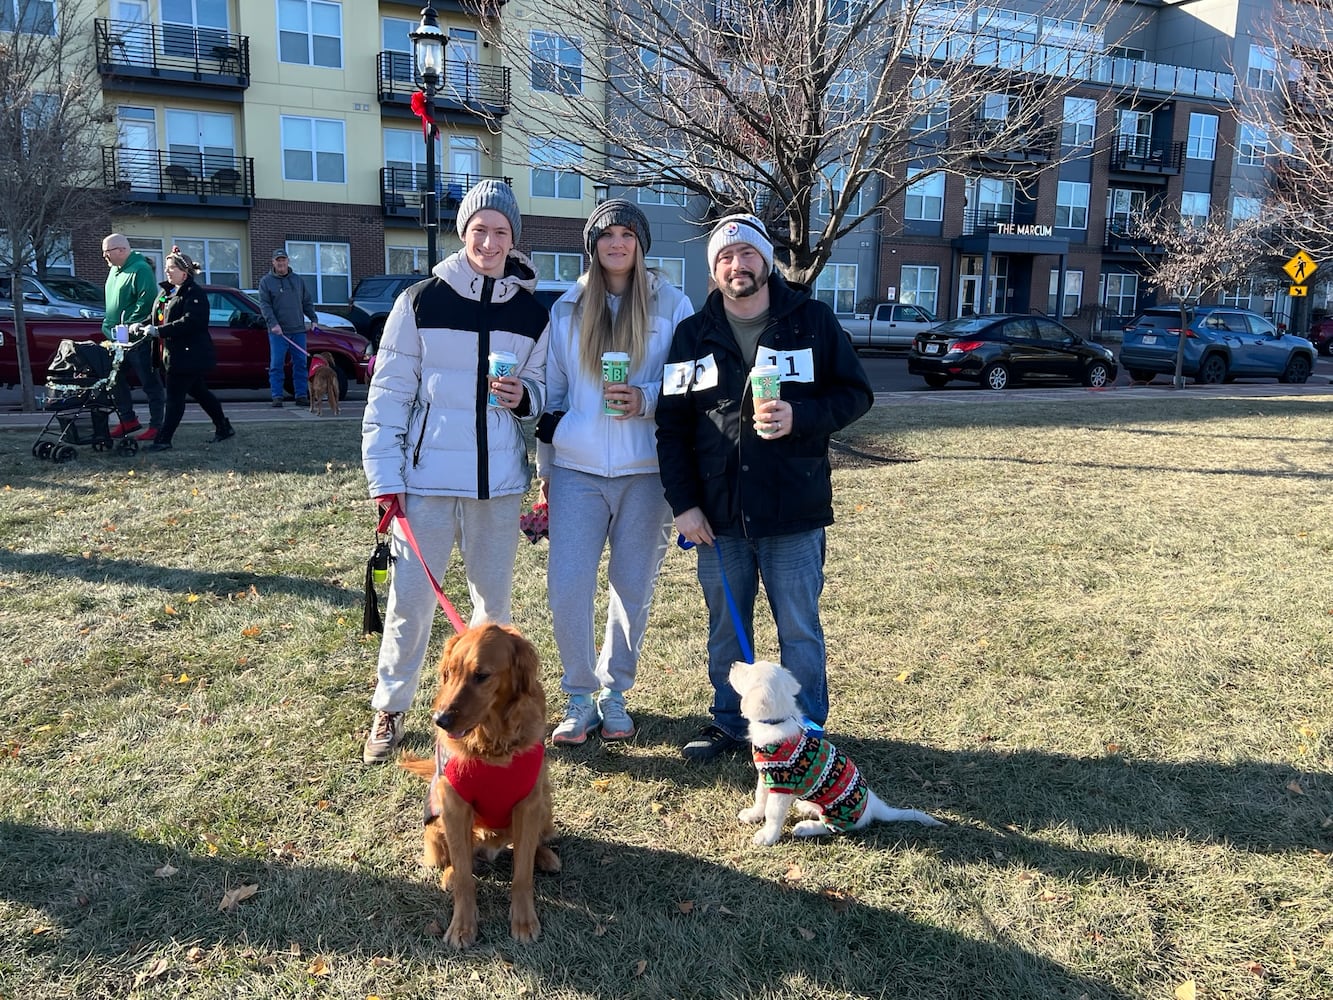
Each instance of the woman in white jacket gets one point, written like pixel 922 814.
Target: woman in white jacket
pixel 599 469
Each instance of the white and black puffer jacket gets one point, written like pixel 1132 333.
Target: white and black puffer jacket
pixel 427 428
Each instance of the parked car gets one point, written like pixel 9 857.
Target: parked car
pixel 323 320
pixel 1321 335
pixel 1221 343
pixel 891 324
pixel 373 297
pixel 57 296
pixel 240 339
pixel 999 350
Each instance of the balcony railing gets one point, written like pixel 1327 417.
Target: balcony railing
pixel 1125 235
pixel 168 175
pixel 402 190
pixel 997 219
pixel 1308 100
pixel 1141 155
pixel 172 52
pixel 1037 144
pixel 464 86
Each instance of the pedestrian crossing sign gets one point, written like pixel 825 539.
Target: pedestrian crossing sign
pixel 1300 267
pixel 1298 291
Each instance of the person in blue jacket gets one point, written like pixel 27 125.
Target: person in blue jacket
pixel 750 484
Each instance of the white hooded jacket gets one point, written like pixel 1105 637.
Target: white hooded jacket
pixel 427 428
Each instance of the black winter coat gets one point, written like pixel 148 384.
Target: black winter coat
pixel 710 455
pixel 182 323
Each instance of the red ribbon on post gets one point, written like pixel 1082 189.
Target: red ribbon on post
pixel 394 511
pixel 422 109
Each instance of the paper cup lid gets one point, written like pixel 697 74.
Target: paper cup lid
pixel 504 356
pixel 763 371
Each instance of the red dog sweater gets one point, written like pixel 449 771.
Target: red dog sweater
pixel 316 363
pixel 491 789
pixel 813 769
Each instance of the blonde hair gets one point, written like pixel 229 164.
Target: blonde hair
pixel 598 333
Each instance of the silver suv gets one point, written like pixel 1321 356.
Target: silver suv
pixel 57 296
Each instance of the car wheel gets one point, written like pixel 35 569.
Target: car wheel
pixel 1213 371
pixel 1297 370
pixel 1097 375
pixel 995 376
pixel 1327 348
pixel 936 381
pixel 1139 375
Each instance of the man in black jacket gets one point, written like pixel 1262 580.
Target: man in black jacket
pixel 750 484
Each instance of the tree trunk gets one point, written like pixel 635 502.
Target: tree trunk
pixel 21 353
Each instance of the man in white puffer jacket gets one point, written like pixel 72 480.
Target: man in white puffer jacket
pixel 601 467
pixel 431 443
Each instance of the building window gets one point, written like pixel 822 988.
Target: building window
pixel 1080 122
pixel 551 174
pixel 932 95
pixel 1122 293
pixel 989 200
pixel 845 12
pixel 1262 71
pixel 1071 205
pixel 405 260
pixel 557 266
pixel 671 269
pixel 202 143
pixel 314 149
pixel 1073 294
pixel 310 33
pixel 1238 296
pixel 664 194
pixel 998 107
pixel 835 179
pixel 326 269
pixel 1202 143
pixel 836 287
pixel 34 17
pixel 220 259
pixel 1252 147
pixel 1194 206
pixel 1134 132
pixel 919 285
pixel 924 199
pixel 848 91
pixel 405 158
pixel 1244 208
pixel 557 64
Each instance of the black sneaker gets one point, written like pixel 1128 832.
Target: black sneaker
pixel 302 400
pixel 711 742
pixel 277 404
pixel 160 445
pixel 224 432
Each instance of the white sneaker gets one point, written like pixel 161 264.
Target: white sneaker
pixel 581 718
pixel 386 732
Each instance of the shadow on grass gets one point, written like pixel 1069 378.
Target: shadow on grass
pixel 612 907
pixel 131 573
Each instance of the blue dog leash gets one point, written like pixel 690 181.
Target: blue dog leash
pixel 741 638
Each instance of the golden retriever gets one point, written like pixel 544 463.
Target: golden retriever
pixel 323 382
pixel 489 785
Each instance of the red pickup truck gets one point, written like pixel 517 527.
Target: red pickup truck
pixel 239 337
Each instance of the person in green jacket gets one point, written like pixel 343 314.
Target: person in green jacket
pixel 131 288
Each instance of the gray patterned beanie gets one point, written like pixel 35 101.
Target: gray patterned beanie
pixel 491 194
pixel 739 229
pixel 616 212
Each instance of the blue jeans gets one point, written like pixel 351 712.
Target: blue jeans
pixel 278 349
pixel 139 359
pixel 792 568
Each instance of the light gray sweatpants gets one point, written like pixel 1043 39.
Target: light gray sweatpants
pixel 587 511
pixel 487 535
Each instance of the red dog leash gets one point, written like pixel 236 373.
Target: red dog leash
pixel 394 511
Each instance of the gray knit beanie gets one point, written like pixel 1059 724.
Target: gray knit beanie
pixel 739 229
pixel 616 212
pixel 492 194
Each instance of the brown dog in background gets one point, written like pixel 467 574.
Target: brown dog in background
pixel 323 382
pixel 489 785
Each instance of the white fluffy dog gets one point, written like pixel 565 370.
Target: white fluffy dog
pixel 801 769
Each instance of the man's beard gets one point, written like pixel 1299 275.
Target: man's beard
pixel 743 292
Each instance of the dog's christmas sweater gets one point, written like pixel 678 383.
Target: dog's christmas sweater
pixel 316 363
pixel 491 789
pixel 813 769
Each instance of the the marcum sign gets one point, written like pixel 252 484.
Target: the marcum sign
pixel 1014 229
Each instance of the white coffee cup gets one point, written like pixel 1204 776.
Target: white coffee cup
pixel 122 333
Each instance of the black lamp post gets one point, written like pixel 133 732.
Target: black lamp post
pixel 428 52
pixel 601 191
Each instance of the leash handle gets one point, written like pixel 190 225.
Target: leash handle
pixel 742 639
pixel 394 511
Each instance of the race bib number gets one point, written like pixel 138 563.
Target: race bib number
pixel 794 366
pixel 681 377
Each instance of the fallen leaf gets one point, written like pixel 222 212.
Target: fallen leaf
pixel 1113 748
pixel 1186 991
pixel 1046 896
pixel 166 871
pixel 1294 787
pixel 1256 969
pixel 41 929
pixel 191 598
pixel 158 968
pixel 380 962
pixel 601 784
pixel 232 897
pixel 723 909
pixel 319 966
pixel 903 677
pixel 794 874
pixel 685 905
pixel 807 934
pixel 183 679
pixel 433 929
pixel 250 632
pixel 640 967
pixel 656 807
pixel 169 609
pixel 195 954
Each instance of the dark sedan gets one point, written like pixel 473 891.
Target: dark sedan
pixel 1001 350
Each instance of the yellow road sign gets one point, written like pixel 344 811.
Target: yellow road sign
pixel 1298 291
pixel 1300 267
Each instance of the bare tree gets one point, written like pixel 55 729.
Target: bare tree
pixel 807 113
pixel 1190 261
pixel 51 120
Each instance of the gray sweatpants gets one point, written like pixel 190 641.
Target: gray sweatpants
pixel 587 511
pixel 487 535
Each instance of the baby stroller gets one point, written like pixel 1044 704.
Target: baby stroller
pixel 79 393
